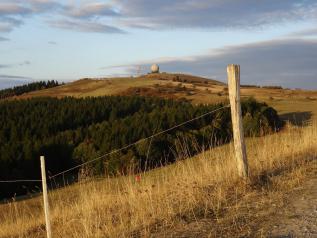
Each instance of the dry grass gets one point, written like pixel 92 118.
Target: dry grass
pixel 115 86
pixel 284 100
pixel 203 186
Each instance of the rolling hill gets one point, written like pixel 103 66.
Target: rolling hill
pixel 200 196
pixel 295 105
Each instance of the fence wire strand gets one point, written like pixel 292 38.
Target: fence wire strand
pixel 20 181
pixel 137 142
pixel 116 150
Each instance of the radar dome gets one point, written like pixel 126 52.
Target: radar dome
pixel 155 69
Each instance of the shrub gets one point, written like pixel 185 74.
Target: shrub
pixel 259 119
pixel 272 87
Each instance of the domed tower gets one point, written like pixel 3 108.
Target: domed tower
pixel 155 69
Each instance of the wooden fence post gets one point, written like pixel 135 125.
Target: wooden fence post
pixel 236 117
pixel 45 199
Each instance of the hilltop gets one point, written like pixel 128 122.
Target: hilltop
pixel 179 85
pixel 293 104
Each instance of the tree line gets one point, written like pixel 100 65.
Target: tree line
pixel 19 90
pixel 71 131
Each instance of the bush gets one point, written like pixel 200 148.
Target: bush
pixel 272 87
pixel 259 119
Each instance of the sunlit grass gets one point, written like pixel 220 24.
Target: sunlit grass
pixel 201 185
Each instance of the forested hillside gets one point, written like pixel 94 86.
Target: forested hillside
pixel 70 131
pixel 19 90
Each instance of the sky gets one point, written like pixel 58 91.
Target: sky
pixel 275 42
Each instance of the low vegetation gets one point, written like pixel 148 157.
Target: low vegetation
pixel 257 86
pixel 205 186
pixel 272 87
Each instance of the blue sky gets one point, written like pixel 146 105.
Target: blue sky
pixel 275 42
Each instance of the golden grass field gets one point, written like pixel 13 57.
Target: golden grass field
pixel 167 201
pixel 205 186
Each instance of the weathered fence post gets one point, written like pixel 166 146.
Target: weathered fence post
pixel 236 117
pixel 45 199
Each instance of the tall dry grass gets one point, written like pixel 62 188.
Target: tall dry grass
pixel 200 186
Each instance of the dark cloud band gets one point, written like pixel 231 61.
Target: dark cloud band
pixel 85 26
pixel 289 63
pixel 213 14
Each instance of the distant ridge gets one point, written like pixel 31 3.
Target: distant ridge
pixel 178 86
pixel 117 86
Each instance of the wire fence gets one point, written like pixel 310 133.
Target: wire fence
pixel 116 150
pixel 20 180
pixel 236 117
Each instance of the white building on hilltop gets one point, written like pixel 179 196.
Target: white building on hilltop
pixel 155 69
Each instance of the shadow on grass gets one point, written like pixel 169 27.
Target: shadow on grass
pixel 297 118
pixel 264 179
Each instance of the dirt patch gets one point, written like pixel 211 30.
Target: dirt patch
pixel 299 217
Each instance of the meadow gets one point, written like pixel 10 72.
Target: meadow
pixel 199 196
pixel 206 186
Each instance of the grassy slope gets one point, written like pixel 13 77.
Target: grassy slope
pixel 203 187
